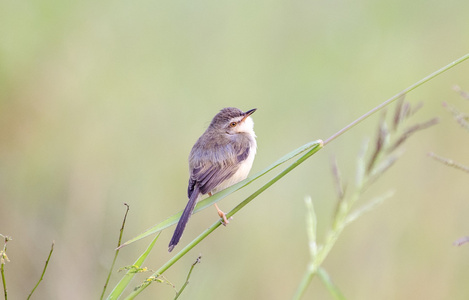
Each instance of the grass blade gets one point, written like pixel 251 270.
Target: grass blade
pixel 124 282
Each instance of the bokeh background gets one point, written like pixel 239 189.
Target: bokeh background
pixel 101 102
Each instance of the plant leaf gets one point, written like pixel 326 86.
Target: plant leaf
pixel 124 282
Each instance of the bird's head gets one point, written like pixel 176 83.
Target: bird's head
pixel 233 120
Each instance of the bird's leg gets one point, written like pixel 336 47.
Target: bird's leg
pixel 222 215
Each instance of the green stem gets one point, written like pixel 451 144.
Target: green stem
pixel 4 282
pixel 187 279
pixel 3 259
pixel 117 251
pixel 43 271
pixel 202 236
pixel 316 261
pixel 395 97
pixel 305 281
pixel 333 289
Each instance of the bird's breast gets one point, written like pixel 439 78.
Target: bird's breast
pixel 243 169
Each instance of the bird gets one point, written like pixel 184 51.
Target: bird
pixel 222 156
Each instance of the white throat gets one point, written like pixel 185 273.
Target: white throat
pixel 247 126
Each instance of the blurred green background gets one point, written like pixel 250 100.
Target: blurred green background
pixel 101 102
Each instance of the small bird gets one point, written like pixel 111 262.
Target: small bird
pixel 221 157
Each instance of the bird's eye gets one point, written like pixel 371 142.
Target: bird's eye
pixel 233 124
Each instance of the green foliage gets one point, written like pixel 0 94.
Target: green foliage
pixel 370 167
pixel 124 282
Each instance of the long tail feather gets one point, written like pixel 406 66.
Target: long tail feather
pixel 184 219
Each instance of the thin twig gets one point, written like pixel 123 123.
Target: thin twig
pixel 3 260
pixel 44 270
pixel 188 276
pixel 5 292
pixel 117 251
pixel 395 97
pixel 449 162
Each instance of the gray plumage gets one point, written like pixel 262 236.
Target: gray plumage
pixel 221 157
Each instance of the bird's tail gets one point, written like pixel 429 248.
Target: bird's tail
pixel 184 218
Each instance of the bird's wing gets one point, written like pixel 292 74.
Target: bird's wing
pixel 210 170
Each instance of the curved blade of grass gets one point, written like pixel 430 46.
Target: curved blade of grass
pixel 124 282
pixel 222 194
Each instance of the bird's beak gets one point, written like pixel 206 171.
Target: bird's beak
pixel 248 113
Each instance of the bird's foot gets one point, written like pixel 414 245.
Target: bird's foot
pixel 224 219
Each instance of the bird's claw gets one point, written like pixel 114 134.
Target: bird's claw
pixel 224 219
